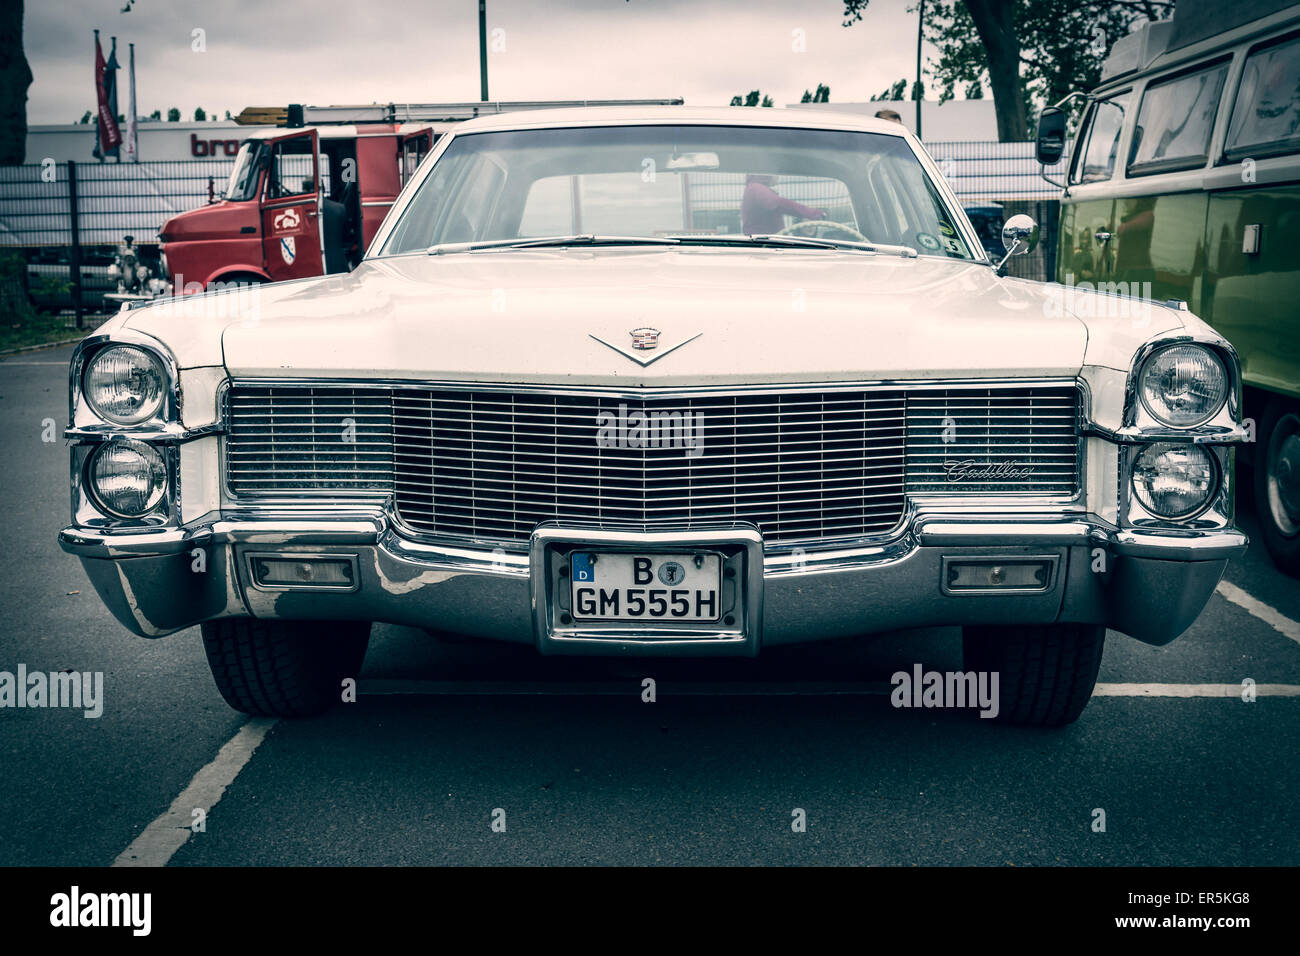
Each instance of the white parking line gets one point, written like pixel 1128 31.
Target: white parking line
pixel 1193 690
pixel 1273 618
pixel 386 688
pixel 167 834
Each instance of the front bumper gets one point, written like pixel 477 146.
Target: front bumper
pixel 1148 584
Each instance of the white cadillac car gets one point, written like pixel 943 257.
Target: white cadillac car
pixel 664 381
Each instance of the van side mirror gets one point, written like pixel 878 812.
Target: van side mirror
pixel 1051 135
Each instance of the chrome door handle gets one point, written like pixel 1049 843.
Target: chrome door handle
pixel 1101 236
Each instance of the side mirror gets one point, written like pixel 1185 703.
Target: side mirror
pixel 1051 135
pixel 1019 235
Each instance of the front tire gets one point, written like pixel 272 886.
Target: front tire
pixel 1046 673
pixel 1277 483
pixel 283 668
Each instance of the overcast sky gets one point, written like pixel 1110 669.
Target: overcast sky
pixel 274 52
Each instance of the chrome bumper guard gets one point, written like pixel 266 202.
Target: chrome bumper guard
pixel 1149 584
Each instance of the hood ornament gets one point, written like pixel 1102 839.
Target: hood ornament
pixel 645 339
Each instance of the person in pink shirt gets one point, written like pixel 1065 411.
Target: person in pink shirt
pixel 763 210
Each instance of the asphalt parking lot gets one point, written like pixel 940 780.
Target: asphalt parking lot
pixel 448 738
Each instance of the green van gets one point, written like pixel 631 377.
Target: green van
pixel 1184 184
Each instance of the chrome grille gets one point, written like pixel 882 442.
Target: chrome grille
pixel 803 465
pixel 312 439
pixel 993 440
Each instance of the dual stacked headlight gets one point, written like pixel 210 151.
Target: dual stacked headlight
pixel 1180 386
pixel 125 385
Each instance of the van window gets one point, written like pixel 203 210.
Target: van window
pixel 1266 116
pixel 292 168
pixel 1175 121
pixel 1100 140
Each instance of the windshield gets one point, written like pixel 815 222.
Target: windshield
pixel 685 183
pixel 243 178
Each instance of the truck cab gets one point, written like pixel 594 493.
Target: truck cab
pixel 299 202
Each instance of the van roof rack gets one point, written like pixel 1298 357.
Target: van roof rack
pixel 297 115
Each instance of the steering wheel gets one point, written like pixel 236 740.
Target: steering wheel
pixel 828 223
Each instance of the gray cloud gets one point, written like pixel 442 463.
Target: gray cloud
pixel 329 51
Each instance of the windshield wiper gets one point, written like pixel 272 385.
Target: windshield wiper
pixel 587 239
pixel 806 242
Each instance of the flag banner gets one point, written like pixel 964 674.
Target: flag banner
pixel 109 136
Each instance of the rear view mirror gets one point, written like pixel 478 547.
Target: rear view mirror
pixel 685 161
pixel 1051 135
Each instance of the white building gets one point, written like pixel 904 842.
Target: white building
pixel 954 121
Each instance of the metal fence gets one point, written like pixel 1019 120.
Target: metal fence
pixel 64 220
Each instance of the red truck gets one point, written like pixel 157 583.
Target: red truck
pixel 306 199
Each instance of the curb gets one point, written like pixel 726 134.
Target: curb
pixel 44 345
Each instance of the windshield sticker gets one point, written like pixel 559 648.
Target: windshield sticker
pixel 947 229
pixel 927 241
pixel 954 246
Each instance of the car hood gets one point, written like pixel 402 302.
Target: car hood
pixel 723 316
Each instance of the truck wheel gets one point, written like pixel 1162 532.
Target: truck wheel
pixel 283 668
pixel 1277 483
pixel 1046 673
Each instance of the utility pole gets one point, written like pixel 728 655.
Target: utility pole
pixel 482 49
pixel 920 90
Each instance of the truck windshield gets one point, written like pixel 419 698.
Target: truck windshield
pixel 688 183
pixel 243 178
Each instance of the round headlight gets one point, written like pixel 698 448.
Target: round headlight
pixel 128 478
pixel 1174 480
pixel 124 384
pixel 1183 385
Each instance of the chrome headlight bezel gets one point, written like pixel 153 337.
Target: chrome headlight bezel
pixel 147 362
pixel 158 499
pixel 1163 416
pixel 1142 499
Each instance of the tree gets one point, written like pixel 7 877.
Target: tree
pixel 1032 52
pixel 173 115
pixel 85 118
pixel 823 95
pixel 752 99
pixel 156 115
pixel 15 78
pixel 199 115
pixel 892 93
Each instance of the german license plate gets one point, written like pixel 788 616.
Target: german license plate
pixel 615 586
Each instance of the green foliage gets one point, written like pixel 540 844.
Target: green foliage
pixel 173 115
pixel 753 98
pixel 894 92
pixel 199 115
pixel 823 95
pixel 85 118
pixel 1061 43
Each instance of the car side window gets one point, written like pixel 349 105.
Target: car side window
pixel 1100 140
pixel 1175 121
pixel 1266 114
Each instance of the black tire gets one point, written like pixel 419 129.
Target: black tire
pixel 1046 673
pixel 1277 443
pixel 283 668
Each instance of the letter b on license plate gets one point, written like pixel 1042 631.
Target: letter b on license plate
pixel 616 586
